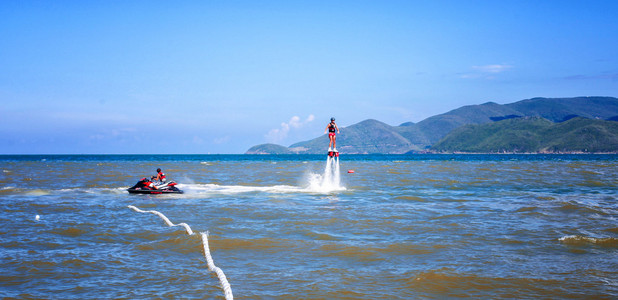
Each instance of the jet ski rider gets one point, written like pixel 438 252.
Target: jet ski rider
pixel 160 177
pixel 330 128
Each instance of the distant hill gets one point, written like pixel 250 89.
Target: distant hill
pixel 432 129
pixel 372 136
pixel 560 109
pixel 369 136
pixel 269 149
pixel 435 128
pixel 532 135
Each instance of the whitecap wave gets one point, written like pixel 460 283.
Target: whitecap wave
pixel 37 192
pixel 583 240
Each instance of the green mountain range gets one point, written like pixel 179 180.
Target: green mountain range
pixel 497 128
pixel 533 135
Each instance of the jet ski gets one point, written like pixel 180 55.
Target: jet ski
pixel 146 186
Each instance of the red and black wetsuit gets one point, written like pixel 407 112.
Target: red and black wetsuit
pixel 331 129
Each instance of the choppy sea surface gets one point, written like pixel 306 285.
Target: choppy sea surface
pixel 281 227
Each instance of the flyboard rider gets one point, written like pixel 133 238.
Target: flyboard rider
pixel 331 128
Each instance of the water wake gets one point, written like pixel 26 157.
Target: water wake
pixel 236 189
pixel 327 182
pixel 225 285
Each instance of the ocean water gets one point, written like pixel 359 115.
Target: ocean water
pixel 295 227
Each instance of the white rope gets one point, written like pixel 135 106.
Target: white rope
pixel 225 285
pixel 211 266
pixel 167 221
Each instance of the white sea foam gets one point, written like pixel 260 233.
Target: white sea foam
pixel 114 190
pixel 316 183
pixel 37 192
pixel 236 189
pixel 327 182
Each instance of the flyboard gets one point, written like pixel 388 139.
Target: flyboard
pixel 333 152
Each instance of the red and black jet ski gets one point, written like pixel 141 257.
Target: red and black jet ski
pixel 146 186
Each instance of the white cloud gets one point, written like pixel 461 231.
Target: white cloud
pixel 278 134
pixel 115 133
pixel 486 71
pixel 492 68
pixel 222 140
pixel 197 140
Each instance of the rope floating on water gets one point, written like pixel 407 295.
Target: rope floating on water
pixel 211 266
pixel 167 221
pixel 225 285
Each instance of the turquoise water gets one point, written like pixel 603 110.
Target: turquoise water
pixel 399 227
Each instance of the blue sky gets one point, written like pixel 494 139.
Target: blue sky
pixel 221 76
